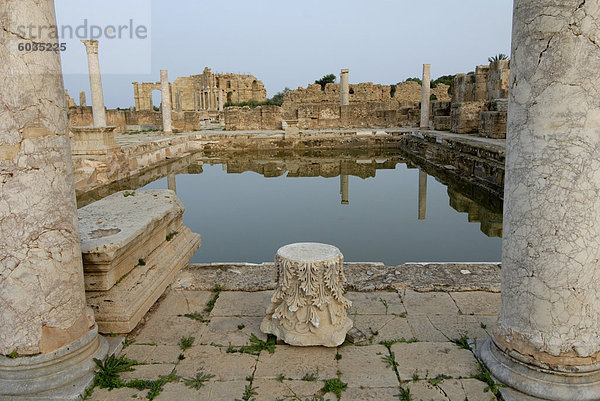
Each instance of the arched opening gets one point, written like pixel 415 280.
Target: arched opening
pixel 156 96
pixel 229 97
pixel 255 90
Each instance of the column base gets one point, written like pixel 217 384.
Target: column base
pixel 530 383
pixel 61 375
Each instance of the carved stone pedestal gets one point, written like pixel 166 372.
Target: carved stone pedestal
pixel 308 307
pixel 93 140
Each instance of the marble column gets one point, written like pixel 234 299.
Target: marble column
pixel 422 195
pixel 165 90
pixel 82 100
pixel 546 344
pixel 91 48
pixel 45 326
pixel 344 188
pixel 344 87
pixel 220 100
pixel 425 96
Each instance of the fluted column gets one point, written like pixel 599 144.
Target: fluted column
pixel 425 96
pixel 91 48
pixel 165 90
pixel 546 344
pixel 44 323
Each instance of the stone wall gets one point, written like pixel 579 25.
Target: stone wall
pixel 258 118
pixel 183 121
pixel 479 100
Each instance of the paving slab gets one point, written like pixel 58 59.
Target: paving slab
pixel 296 362
pixel 228 390
pixel 374 303
pixel 149 372
pixel 232 330
pixel 369 394
pixel 272 390
pixel 423 330
pixel 180 392
pixel 463 325
pixel 182 302
pixel 429 303
pixel 432 359
pixel 214 360
pixel 363 366
pixel 118 394
pixel 477 302
pixel 152 353
pixel 233 303
pixel 168 330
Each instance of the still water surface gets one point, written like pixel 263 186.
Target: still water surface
pixel 244 216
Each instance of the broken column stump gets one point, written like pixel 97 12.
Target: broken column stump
pixel 133 245
pixel 308 306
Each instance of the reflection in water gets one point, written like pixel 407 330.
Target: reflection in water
pixel 422 194
pixel 344 183
pixel 290 208
pixel 171 183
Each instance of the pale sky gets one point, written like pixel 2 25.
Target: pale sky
pixel 287 43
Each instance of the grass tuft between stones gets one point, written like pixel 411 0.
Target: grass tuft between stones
pixel 335 386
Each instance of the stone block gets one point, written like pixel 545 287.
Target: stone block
pixel 465 117
pixel 117 231
pixel 492 124
pixel 119 309
pixel 442 123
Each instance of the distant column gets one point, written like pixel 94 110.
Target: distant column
pixel 82 99
pixel 344 188
pixel 422 194
pixel 425 96
pixel 91 47
pixel 344 87
pixel 166 102
pixel 546 343
pixel 220 100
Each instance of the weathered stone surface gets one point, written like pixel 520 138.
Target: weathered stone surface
pixel 117 231
pixel 41 277
pixel 252 304
pixel 308 306
pixel 430 303
pixel 119 309
pixel 425 96
pixel 364 365
pixel 371 303
pixel 152 353
pixel 234 331
pixel 225 366
pixel 434 358
pixel 272 390
pixel 93 140
pixel 295 363
pixel 165 90
pixel 477 302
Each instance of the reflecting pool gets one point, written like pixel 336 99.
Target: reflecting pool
pixel 374 205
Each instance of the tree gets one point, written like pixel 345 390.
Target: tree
pixel 327 79
pixel 277 99
pixel 500 56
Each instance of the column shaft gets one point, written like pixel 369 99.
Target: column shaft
pixel 344 88
pixel 550 312
pixel 425 96
pixel 422 195
pixel 165 89
pixel 91 47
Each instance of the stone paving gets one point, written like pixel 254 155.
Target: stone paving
pixel 413 329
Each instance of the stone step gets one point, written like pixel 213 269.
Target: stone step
pixel 121 308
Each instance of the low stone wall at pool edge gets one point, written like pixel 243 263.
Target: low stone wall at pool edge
pixel 479 163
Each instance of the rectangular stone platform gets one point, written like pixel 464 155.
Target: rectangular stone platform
pixel 117 231
pixel 133 244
